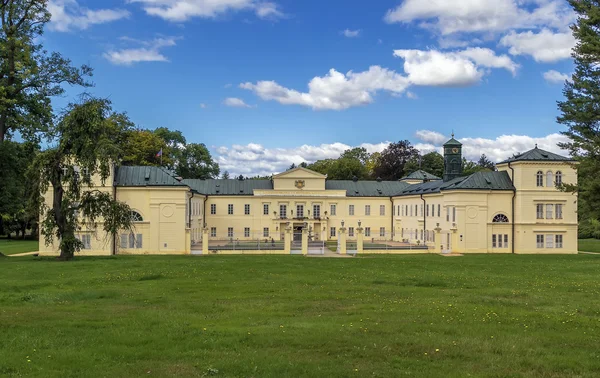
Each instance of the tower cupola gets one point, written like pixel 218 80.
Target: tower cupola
pixel 452 159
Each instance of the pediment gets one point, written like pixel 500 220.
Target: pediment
pixel 300 173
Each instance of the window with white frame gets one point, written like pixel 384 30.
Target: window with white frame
pixel 382 210
pixel 439 210
pixel 549 179
pixel 350 209
pixel 265 209
pixel 266 232
pixel 367 209
pixel 283 211
pixel 382 232
pixel 539 211
pixel 247 209
pixel 539 241
pixel 246 232
pixel 454 214
pixel 333 209
pixel 367 231
pixel 411 211
pixel 213 232
pixel 406 210
pixel 421 207
pixel 131 241
pixel 416 210
pixel 136 217
pixel 230 232
pixel 86 240
pixel 401 210
pixel 317 211
pixel 500 218
pixel 539 178
pixel 230 209
pixel 447 213
pixel 558 178
pixel 350 231
pixel 299 211
pixel 549 241
pixel 549 208
pixel 500 241
pixel 559 211
pixel 332 232
pixel 558 241
pixel 213 208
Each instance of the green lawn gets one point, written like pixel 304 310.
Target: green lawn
pixel 12 246
pixel 589 245
pixel 292 316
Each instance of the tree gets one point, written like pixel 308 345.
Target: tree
pixel 358 153
pixel 580 111
pixel 142 148
pixel 29 75
pixel 195 162
pixel 303 164
pixel 293 166
pixel 225 175
pixel 371 163
pixel 347 169
pixel 431 162
pixel 486 163
pixel 391 163
pixel 89 140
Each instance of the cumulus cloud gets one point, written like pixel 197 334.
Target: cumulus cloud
pixel 555 77
pixel 448 17
pixel 334 91
pixel 68 15
pixel 254 159
pixel 147 52
pixel 351 33
pixel 183 10
pixel 235 103
pixel 545 46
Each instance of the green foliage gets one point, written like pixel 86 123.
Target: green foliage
pixel 488 315
pixel 90 137
pixel 142 148
pixel 431 162
pixel 195 162
pixel 357 153
pixel 29 75
pixel 391 165
pixel 225 175
pixel 322 166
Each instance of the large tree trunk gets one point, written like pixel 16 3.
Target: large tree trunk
pixel 67 235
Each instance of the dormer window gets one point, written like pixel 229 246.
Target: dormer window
pixel 540 178
pixel 549 179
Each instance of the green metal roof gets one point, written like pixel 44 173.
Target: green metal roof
pixel 537 154
pixel 145 176
pixel 476 181
pixel 452 142
pixel 366 188
pixel 421 175
pixel 228 187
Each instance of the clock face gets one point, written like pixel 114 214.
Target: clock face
pixel 455 150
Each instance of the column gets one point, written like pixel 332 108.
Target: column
pixel 342 240
pixel 188 241
pixel 287 240
pixel 305 241
pixel 205 241
pixel 359 240
pixel 438 238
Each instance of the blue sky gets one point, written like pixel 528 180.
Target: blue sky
pixel 251 79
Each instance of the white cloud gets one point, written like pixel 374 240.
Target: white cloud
pixel 411 95
pixel 68 15
pixel 235 103
pixel 203 106
pixel 555 77
pixel 183 10
pixel 334 91
pixel 545 46
pixel 254 159
pixel 448 17
pixel 351 33
pixel 148 53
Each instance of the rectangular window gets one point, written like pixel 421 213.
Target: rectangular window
pixel 559 241
pixel 406 210
pixel 332 232
pixel 266 209
pixel 213 232
pixel 416 210
pixel 230 232
pixel 500 245
pixel 494 245
pixel 421 207
pixel 454 214
pixel 394 210
pixel 350 209
pixel 213 208
pixel 86 240
pixel 549 241
pixel 317 211
pixel 266 232
pixel 230 209
pixel 350 231
pixel 135 241
pixel 539 241
pixel 411 213
pixel 283 211
pixel 426 210
pixel 539 210
pixel 299 211
pixel 367 209
pixel 447 213
pixel 421 234
pixel 367 231
pixel 549 209
pixel 439 210
pixel 382 210
pixel 123 239
pixel 402 210
pixel 559 212
pixel 332 209
pixel 382 232
pixel 505 241
pixel 246 209
pixel 246 232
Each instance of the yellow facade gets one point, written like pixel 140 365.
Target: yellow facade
pixel 173 216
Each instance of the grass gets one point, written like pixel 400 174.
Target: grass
pixel 291 316
pixel 13 246
pixel 589 245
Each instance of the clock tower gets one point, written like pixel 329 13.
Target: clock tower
pixel 452 159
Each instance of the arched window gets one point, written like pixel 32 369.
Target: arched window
pixel 558 178
pixel 549 179
pixel 500 218
pixel 136 217
pixel 540 178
